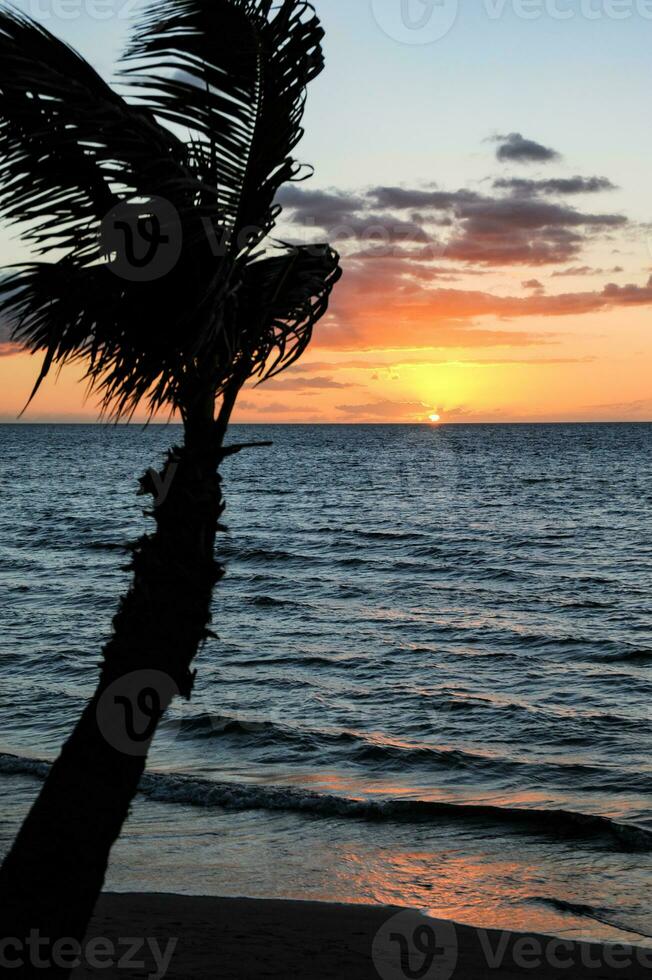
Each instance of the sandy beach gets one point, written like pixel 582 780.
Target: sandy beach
pixel 181 937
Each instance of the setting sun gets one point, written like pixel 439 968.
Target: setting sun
pixel 435 418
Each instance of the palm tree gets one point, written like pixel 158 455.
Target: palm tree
pixel 191 158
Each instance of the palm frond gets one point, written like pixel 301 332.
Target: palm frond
pixel 70 147
pixel 72 151
pixel 126 334
pixel 234 72
pixel 283 297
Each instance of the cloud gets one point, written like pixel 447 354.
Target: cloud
pixel 534 284
pixel 558 185
pixel 399 361
pixel 378 227
pixel 322 208
pixel 406 248
pixel 514 148
pixel 347 216
pixel 586 270
pixel 640 408
pixel 421 256
pixel 304 384
pixel 511 231
pixel 273 408
pixel 386 409
pixel 453 226
pixel 372 313
pixel 403 198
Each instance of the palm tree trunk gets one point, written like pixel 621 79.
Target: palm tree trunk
pixel 53 875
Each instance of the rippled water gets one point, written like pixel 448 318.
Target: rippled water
pixel 433 679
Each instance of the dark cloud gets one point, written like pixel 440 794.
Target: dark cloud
pixel 405 249
pixel 525 213
pixel 502 245
pixel 374 227
pixel 348 217
pixel 482 229
pixel 321 208
pixel 403 198
pixel 514 148
pixel 507 231
pixel 557 185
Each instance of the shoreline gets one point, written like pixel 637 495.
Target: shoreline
pixel 178 937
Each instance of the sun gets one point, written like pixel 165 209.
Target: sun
pixel 435 419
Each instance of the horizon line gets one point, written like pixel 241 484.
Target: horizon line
pixel 144 423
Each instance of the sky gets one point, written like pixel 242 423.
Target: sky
pixel 484 172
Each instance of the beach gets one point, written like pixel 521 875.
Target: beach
pixel 243 938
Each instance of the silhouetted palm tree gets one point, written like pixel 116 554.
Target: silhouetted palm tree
pixel 104 184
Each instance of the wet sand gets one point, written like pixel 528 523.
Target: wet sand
pixel 192 938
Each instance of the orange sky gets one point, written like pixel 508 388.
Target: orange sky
pixel 529 299
pixel 573 367
pixel 497 260
pixel 582 368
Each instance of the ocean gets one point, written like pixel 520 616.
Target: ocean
pixel 432 682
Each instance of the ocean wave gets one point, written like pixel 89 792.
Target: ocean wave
pixel 586 604
pixel 263 555
pixel 176 788
pixel 606 916
pixel 107 546
pixel 18 765
pixel 394 536
pixel 257 731
pixel 371 752
pixel 364 748
pixel 266 601
pixel 643 657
